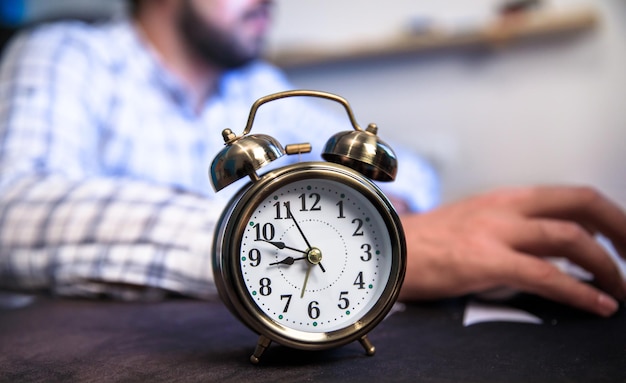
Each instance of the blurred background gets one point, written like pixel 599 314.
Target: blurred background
pixel 493 93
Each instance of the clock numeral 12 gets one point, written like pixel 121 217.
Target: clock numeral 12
pixel 284 211
pixel 315 196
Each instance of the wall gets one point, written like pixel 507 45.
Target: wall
pixel 546 112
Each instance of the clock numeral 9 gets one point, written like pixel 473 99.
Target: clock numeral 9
pixel 265 288
pixel 254 255
pixel 314 310
pixel 268 232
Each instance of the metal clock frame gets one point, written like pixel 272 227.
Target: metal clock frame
pixel 229 278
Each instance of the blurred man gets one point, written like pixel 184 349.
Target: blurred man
pixel 107 132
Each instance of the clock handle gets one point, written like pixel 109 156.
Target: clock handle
pixel 359 149
pixel 299 93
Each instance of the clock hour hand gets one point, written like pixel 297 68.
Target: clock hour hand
pixel 287 261
pixel 281 245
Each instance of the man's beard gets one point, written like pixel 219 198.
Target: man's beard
pixel 212 45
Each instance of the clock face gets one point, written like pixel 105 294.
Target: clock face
pixel 315 254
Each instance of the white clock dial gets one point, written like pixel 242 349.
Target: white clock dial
pixel 316 255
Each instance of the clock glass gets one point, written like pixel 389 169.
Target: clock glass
pixel 315 254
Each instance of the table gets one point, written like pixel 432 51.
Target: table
pixel 196 341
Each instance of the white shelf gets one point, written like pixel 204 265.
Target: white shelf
pixel 500 33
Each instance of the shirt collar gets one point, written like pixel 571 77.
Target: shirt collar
pixel 142 59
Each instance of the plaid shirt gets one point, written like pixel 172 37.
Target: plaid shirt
pixel 103 162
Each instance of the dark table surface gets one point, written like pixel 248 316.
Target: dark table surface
pixel 186 340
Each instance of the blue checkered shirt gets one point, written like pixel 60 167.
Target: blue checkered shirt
pixel 103 162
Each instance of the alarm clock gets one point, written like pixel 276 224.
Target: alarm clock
pixel 311 255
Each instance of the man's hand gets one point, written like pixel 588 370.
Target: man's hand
pixel 500 239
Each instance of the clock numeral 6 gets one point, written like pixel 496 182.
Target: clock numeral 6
pixel 314 310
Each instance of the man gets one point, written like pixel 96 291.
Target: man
pixel 107 132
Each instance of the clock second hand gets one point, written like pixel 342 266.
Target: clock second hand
pixel 306 279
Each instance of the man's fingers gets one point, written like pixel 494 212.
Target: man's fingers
pixel 537 276
pixel 555 238
pixel 583 205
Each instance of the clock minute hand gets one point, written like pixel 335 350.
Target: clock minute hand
pixel 300 230
pixel 305 240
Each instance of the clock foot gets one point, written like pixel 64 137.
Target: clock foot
pixel 261 345
pixel 367 345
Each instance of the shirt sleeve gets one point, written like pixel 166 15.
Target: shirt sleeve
pixel 64 226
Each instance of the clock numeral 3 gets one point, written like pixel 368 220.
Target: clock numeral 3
pixel 367 249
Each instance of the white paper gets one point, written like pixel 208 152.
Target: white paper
pixel 478 312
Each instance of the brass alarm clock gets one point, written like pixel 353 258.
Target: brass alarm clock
pixel 311 255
